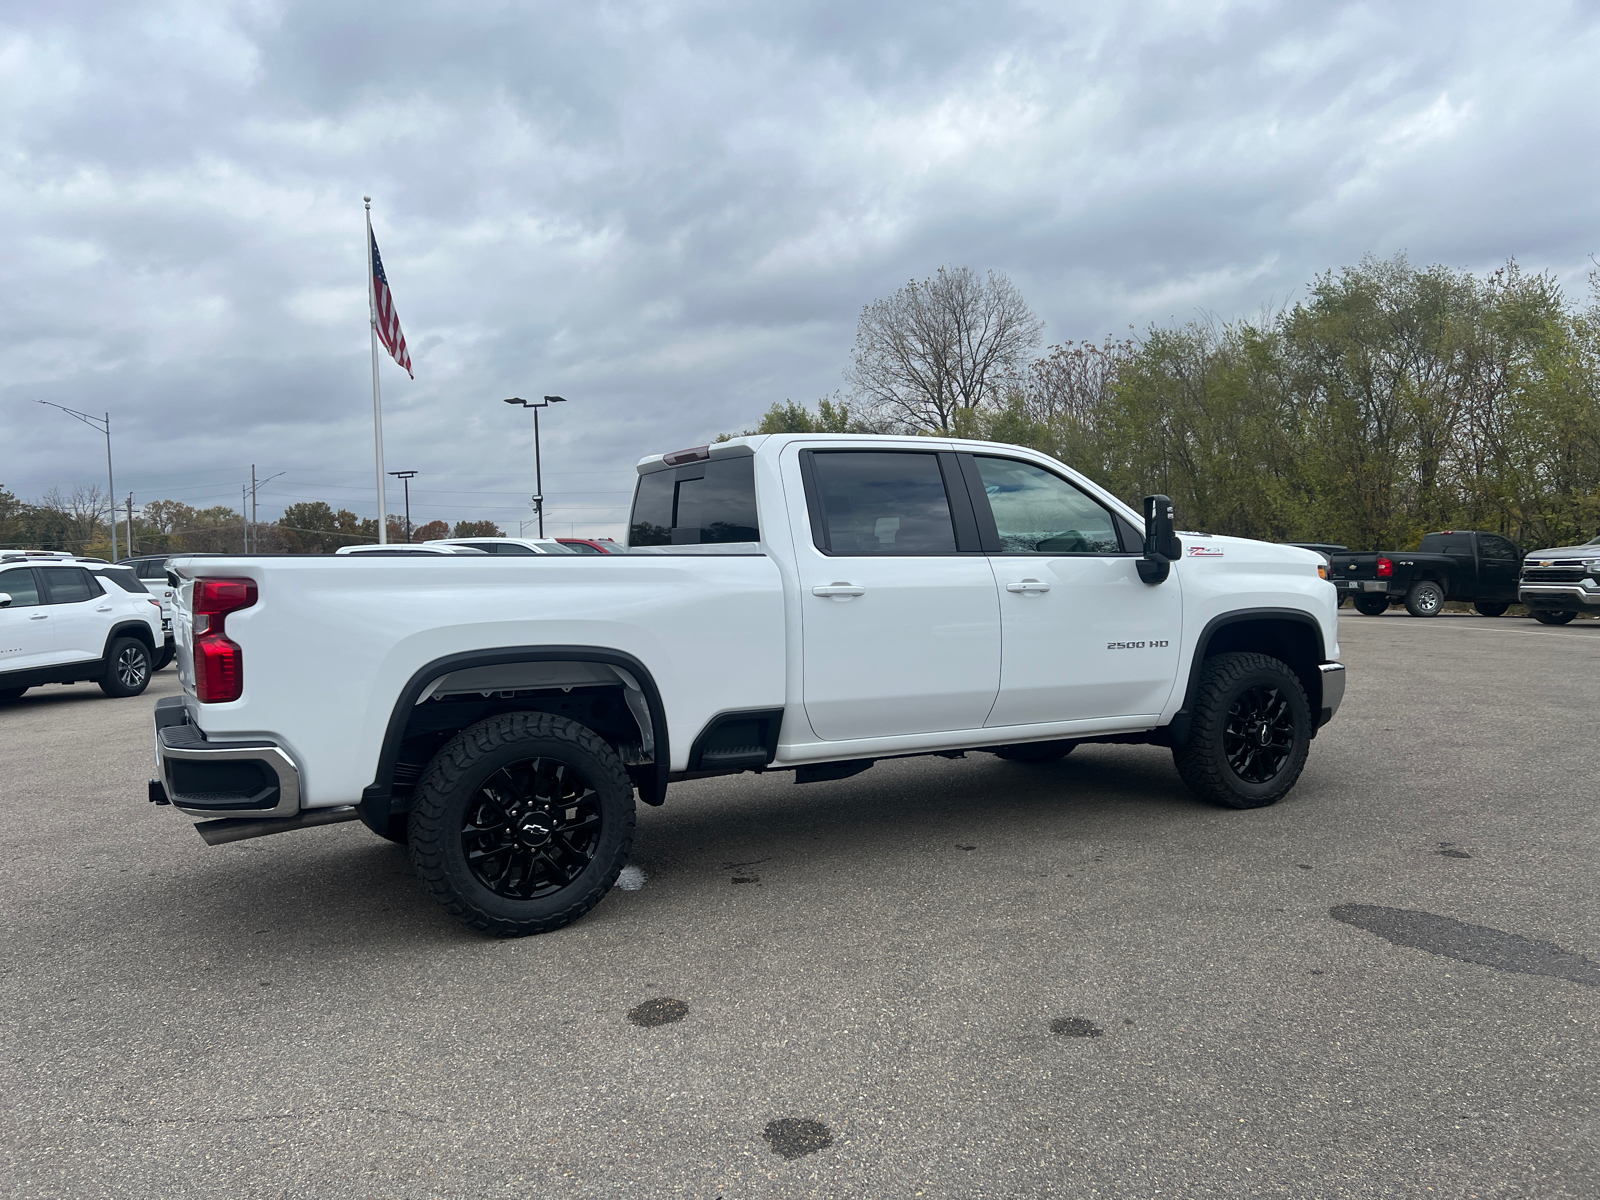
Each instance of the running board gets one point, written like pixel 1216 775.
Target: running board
pixel 237 829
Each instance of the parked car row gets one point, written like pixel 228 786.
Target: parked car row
pixel 1483 569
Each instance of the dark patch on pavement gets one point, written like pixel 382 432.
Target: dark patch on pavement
pixel 663 1010
pixel 1452 853
pixel 734 866
pixel 1075 1027
pixel 794 1138
pixel 747 879
pixel 1304 866
pixel 1469 943
pixel 959 846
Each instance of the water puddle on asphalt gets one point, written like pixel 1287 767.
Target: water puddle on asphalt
pixel 1477 944
pixel 663 1010
pixel 1076 1027
pixel 795 1138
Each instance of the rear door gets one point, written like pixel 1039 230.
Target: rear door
pixel 1084 637
pixel 1499 567
pixel 26 631
pixel 80 611
pixel 900 618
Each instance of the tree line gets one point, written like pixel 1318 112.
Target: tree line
pixel 1389 401
pixel 78 522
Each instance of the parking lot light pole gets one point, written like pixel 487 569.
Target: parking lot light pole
pixel 103 424
pixel 538 472
pixel 405 477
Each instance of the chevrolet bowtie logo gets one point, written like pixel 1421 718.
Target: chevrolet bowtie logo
pixel 1547 562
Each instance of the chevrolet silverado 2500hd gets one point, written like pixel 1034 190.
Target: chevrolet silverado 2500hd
pixel 788 602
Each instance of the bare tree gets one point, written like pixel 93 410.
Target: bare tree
pixel 82 511
pixel 933 348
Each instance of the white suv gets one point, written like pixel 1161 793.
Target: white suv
pixel 63 620
pixel 506 545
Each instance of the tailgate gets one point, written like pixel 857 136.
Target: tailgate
pixel 1353 566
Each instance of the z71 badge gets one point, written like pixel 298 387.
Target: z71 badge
pixel 1204 552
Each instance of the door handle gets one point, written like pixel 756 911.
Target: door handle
pixel 839 591
pixel 104 608
pixel 1028 585
pixel 40 617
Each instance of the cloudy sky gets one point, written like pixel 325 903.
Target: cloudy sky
pixel 672 214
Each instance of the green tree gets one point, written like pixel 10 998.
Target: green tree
pixel 477 529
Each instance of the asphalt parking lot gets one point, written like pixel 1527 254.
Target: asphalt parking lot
pixel 1387 985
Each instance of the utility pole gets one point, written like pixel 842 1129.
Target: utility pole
pixel 244 514
pixel 104 425
pixel 251 513
pixel 538 471
pixel 131 550
pixel 405 477
pixel 252 495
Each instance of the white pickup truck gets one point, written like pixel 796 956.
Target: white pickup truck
pixel 809 603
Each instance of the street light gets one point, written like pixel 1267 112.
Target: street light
pixel 538 473
pixel 406 477
pixel 104 425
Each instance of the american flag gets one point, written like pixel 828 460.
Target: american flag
pixel 388 320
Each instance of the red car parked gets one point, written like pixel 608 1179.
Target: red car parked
pixel 591 545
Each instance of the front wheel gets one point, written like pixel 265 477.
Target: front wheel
pixel 1491 608
pixel 127 668
pixel 1035 752
pixel 1370 605
pixel 522 823
pixel 1250 732
pixel 1425 599
pixel 1549 616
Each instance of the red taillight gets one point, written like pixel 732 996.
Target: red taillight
pixel 1385 568
pixel 218 662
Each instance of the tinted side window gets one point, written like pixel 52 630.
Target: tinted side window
pixel 70 586
pixel 19 584
pixel 883 502
pixel 580 548
pixel 1040 513
pixel 151 568
pixel 1493 546
pixel 1447 543
pixel 126 580
pixel 696 505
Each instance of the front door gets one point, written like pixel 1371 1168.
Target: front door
pixel 901 627
pixel 1084 637
pixel 1499 567
pixel 26 639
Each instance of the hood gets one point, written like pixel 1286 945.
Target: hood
pixel 1588 550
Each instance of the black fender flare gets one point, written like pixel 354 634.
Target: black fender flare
pixel 377 797
pixel 1181 719
pixel 136 629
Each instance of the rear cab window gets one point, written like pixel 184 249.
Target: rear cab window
pixel 703 503
pixel 1459 544
pixel 879 502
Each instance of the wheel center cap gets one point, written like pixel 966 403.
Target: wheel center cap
pixel 534 830
pixel 1263 735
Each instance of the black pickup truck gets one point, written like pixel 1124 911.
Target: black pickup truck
pixel 1453 565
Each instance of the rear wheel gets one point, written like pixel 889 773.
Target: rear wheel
pixel 522 823
pixel 1491 608
pixel 1035 752
pixel 1550 616
pixel 1425 599
pixel 1250 734
pixel 1369 605
pixel 127 668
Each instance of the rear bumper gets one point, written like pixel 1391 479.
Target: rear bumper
pixel 1348 587
pixel 1565 596
pixel 1332 691
pixel 206 778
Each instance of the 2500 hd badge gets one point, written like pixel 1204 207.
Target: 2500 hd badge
pixel 1136 645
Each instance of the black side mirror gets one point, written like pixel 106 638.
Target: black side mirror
pixel 1161 545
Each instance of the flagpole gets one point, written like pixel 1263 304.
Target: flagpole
pixel 377 397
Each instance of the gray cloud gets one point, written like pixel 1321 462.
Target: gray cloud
pixel 673 213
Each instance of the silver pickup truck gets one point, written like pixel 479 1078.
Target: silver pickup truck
pixel 1560 583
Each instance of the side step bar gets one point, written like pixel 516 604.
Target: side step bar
pixel 237 829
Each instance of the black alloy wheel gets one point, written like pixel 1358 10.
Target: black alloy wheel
pixel 127 668
pixel 1259 733
pixel 1249 734
pixel 1372 605
pixel 1491 608
pixel 521 823
pixel 1425 599
pixel 533 827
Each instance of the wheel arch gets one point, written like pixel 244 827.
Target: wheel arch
pixel 130 628
pixel 1290 635
pixel 377 799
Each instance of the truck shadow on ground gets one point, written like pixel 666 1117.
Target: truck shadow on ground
pixel 341 890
